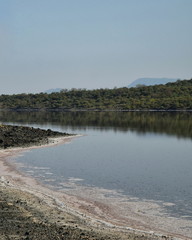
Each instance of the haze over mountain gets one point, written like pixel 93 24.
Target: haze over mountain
pixel 151 81
pixel 92 44
pixel 53 90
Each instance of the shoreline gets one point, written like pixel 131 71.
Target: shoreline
pixel 88 213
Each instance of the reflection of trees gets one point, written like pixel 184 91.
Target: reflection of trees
pixel 172 123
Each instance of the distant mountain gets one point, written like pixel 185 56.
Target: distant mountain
pixel 151 81
pixel 53 90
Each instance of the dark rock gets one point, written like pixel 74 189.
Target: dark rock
pixel 18 136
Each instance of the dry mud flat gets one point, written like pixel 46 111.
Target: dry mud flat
pixel 25 216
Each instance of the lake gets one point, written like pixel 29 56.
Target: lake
pixel 142 155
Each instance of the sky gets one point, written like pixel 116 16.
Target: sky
pixel 92 43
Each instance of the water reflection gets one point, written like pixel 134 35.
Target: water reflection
pixel 135 153
pixel 171 123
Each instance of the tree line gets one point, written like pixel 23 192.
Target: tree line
pixel 171 96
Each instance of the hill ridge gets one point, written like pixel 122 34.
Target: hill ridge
pixel 171 96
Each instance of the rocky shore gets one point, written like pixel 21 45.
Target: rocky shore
pixel 18 136
pixel 29 212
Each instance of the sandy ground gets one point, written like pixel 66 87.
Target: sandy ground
pixel 76 212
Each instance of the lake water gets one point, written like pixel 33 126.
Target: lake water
pixel 143 155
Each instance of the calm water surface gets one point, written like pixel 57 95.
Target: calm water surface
pixel 143 155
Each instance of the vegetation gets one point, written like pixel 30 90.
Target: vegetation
pixel 172 96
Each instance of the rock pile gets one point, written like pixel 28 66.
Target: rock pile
pixel 19 136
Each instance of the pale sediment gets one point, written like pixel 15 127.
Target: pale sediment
pixel 29 210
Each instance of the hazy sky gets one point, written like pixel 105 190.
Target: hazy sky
pixel 92 43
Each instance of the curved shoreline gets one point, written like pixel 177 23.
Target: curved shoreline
pixel 93 213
